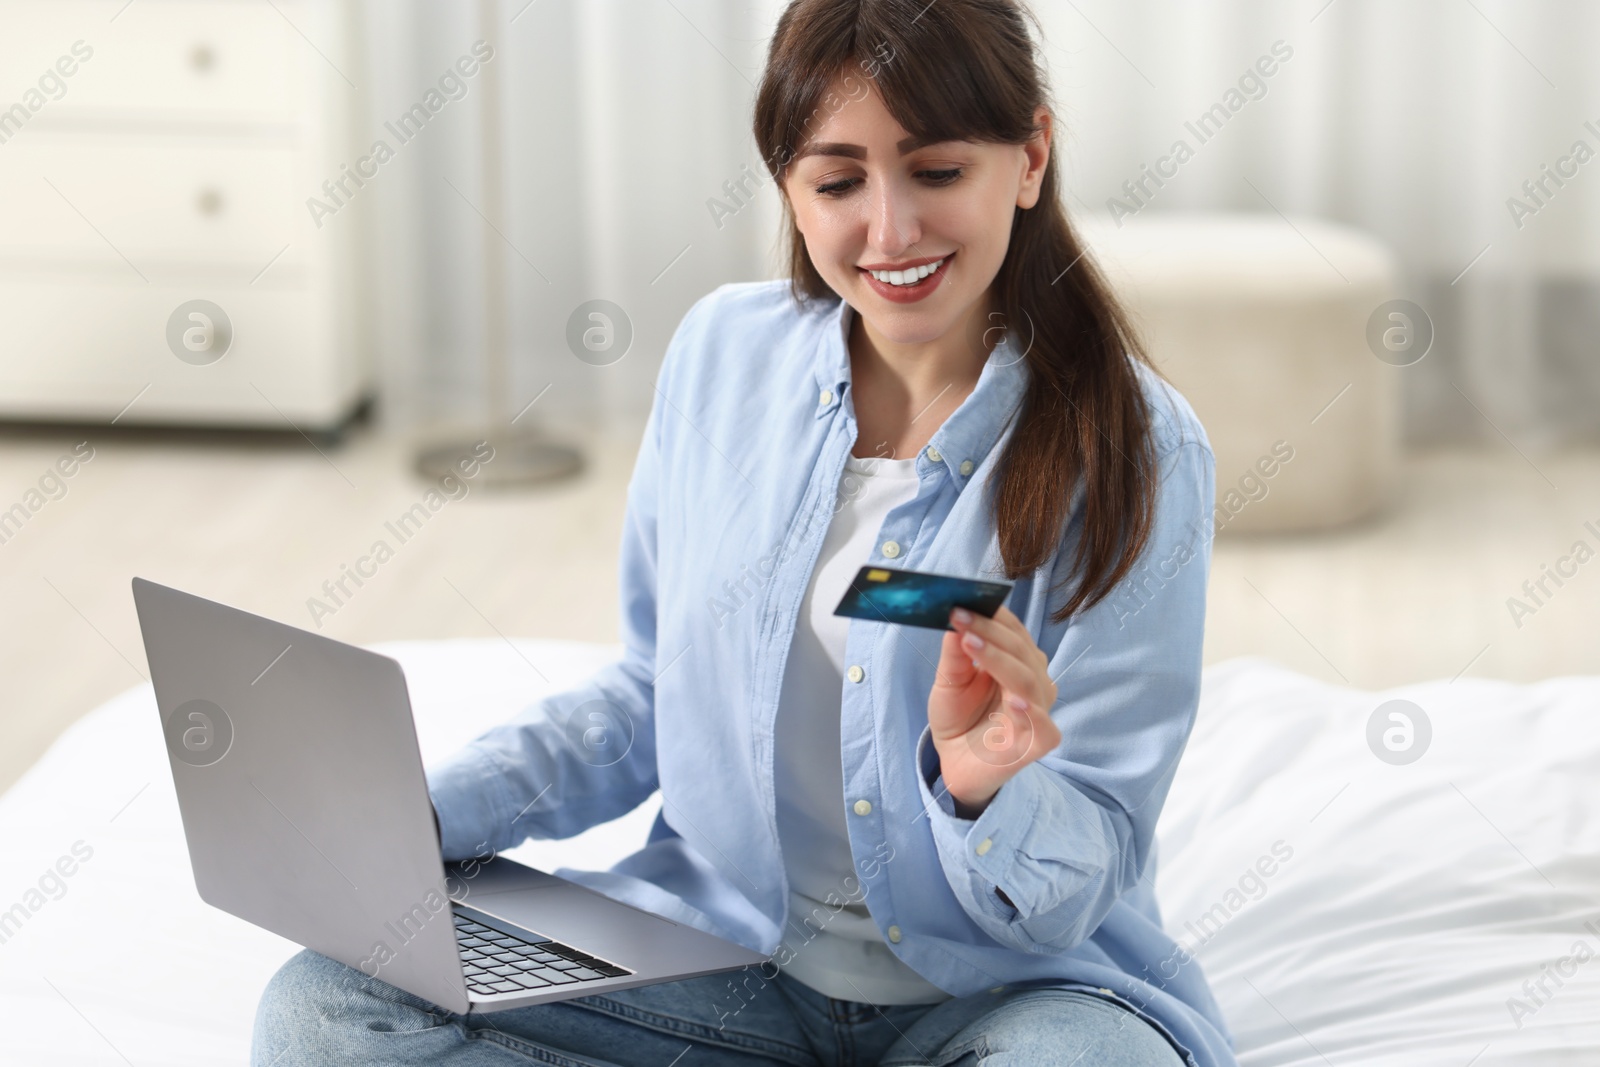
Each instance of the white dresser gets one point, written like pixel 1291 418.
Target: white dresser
pixel 160 152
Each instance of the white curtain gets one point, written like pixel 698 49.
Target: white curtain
pixel 621 120
pixel 1416 120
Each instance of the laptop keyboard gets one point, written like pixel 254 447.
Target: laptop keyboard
pixel 498 962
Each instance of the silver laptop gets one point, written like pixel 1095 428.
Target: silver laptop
pixel 307 813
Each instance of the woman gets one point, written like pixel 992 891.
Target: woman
pixel 944 841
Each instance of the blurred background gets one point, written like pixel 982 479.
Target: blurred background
pixel 250 252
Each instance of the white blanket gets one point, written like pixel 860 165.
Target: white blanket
pixel 1346 910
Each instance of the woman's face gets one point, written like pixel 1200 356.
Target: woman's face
pixel 866 197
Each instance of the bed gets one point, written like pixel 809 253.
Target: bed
pixel 1352 903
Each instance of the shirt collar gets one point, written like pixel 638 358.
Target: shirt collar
pixel 971 430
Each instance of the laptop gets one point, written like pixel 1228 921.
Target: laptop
pixel 307 813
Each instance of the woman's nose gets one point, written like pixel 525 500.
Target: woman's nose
pixel 894 225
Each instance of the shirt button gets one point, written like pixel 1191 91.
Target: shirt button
pixel 983 846
pixel 827 397
pixel 891 549
pixel 966 466
pixel 933 454
pixel 863 807
pixel 894 934
pixel 855 673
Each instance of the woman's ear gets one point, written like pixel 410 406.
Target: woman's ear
pixel 1037 154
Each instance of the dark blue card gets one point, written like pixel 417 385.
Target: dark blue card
pixel 914 598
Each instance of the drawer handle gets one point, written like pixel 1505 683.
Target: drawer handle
pixel 202 58
pixel 208 202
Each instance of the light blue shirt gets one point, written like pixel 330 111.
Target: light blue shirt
pixel 730 498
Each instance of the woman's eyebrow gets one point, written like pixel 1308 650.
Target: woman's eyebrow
pixel 855 151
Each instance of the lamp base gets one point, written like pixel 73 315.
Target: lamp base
pixel 519 460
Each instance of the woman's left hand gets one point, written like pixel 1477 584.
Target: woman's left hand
pixel 989 709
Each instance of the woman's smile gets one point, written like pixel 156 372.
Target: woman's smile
pixel 909 285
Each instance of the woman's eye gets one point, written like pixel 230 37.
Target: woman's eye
pixel 936 177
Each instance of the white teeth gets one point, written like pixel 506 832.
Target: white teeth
pixel 907 277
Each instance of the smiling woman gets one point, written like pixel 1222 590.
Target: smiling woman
pixel 946 168
pixel 938 854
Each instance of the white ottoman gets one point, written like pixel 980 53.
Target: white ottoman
pixel 1263 327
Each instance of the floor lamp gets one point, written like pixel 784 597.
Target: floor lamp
pixel 521 456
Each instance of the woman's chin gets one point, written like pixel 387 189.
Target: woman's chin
pixel 905 324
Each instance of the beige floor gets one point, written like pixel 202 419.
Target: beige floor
pixel 1418 594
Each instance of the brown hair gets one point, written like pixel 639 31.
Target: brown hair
pixel 966 70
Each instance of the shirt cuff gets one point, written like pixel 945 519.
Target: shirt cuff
pixel 978 855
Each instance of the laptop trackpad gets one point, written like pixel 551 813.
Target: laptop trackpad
pixel 467 879
pixel 565 912
pixel 586 920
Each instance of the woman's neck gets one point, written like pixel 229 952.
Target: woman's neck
pixel 903 393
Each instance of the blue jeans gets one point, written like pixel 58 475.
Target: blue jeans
pixel 318 1011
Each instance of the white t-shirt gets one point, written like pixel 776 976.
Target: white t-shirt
pixel 840 951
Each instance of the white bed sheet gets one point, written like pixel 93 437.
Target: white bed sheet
pixel 1415 902
pixel 1418 899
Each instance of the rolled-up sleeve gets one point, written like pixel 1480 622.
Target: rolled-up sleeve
pixel 1071 832
pixel 582 757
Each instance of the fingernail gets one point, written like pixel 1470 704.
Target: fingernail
pixel 961 615
pixel 972 640
pixel 1018 702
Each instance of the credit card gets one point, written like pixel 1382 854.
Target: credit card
pixel 916 598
